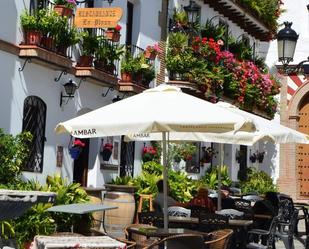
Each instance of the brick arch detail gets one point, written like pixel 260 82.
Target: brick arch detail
pixel 296 99
pixel 288 163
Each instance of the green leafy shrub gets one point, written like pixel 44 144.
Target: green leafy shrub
pixel 67 193
pixel 147 183
pixel 210 179
pixel 123 180
pixel 257 181
pixel 35 221
pixel 13 154
pixel 181 186
pixel 152 167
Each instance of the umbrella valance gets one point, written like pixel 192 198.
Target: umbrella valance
pixel 161 109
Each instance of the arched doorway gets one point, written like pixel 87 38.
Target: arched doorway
pixel 303 149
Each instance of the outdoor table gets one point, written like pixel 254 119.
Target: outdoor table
pixel 82 208
pixel 161 232
pixel 184 222
pixel 46 242
pixel 14 203
pixel 176 219
pixel 263 216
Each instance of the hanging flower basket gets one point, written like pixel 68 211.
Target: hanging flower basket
pixel 75 152
pixel 76 149
pixel 106 154
pixel 260 157
pixel 107 151
pixel 62 10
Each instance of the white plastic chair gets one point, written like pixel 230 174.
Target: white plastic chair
pixel 179 211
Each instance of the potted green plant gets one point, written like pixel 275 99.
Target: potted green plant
pixel 107 151
pixel 113 34
pixel 107 54
pixel 50 23
pixel 141 66
pixel 180 18
pixel 180 65
pixel 90 45
pixel 31 28
pixel 129 66
pixel 148 74
pixel 64 7
pixel 67 36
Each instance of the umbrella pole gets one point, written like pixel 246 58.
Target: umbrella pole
pixel 165 212
pixel 219 175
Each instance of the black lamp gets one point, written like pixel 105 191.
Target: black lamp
pixel 192 11
pixel 70 89
pixel 287 39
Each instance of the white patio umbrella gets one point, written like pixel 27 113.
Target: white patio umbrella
pixel 162 109
pixel 266 130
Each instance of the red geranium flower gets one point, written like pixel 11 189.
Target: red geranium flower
pixel 79 143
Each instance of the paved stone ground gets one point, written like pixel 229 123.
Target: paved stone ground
pixel 300 242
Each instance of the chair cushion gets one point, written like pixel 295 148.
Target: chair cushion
pixel 253 245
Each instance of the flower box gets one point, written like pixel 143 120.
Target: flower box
pixel 33 37
pixel 112 35
pixel 62 10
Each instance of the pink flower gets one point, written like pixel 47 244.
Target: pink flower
pixel 220 42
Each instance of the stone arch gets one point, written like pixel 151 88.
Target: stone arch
pixel 296 99
pixel 288 160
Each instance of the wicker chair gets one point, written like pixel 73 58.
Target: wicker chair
pixel 220 239
pixel 140 240
pixel 181 241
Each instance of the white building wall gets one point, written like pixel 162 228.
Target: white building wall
pixel 39 81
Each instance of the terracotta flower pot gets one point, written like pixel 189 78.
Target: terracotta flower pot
pixel 48 42
pixel 63 11
pixel 112 35
pixel 85 61
pixel 62 50
pixel 32 37
pixel 126 77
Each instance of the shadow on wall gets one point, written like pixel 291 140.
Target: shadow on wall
pixel 270 158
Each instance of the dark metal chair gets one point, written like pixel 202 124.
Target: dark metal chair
pixel 287 216
pixel 151 218
pixel 263 239
pixel 211 222
pixel 196 211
